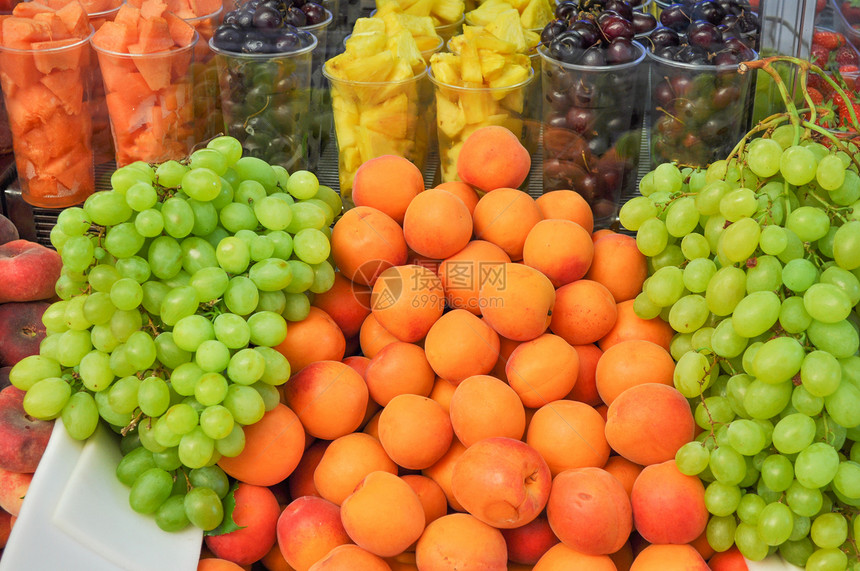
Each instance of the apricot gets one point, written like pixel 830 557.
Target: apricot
pixel 217 564
pixel 561 557
pixel 347 303
pixel 542 370
pixel 463 542
pixel 352 557
pixel 505 217
pixel 589 510
pixel 562 250
pixel 648 423
pixel 431 211
pixel 584 312
pixel 624 470
pixel 460 345
pixel 273 447
pixel 619 265
pixel 315 338
pixel 407 300
pixel 568 434
pixel 483 406
pixel 346 461
pixel 463 273
pixel 659 557
pixel 493 157
pixel 518 304
pixel 441 471
pixel 301 481
pixel 383 515
pixel 430 493
pixel 566 205
pixel 442 392
pixel 668 506
pixel 415 431
pixel 730 560
pixel 388 183
pixel 397 369
pixel 617 371
pixel 373 337
pixel 364 242
pixel 307 529
pixel 329 397
pixel 528 542
pixel 256 512
pixel 461 190
pixel 585 389
pixel 628 325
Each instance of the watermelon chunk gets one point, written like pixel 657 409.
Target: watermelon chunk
pixel 68 87
pixel 48 57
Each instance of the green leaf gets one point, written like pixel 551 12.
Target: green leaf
pixel 227 524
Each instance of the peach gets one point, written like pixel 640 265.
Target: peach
pixel 588 509
pixel 585 389
pixel 441 472
pixel 256 512
pixel 505 217
pixel 527 543
pixel 431 495
pixel 389 183
pixel 566 205
pixel 5 527
pixel 501 481
pixel 301 481
pixel 619 265
pixel 648 423
pixel 383 515
pixel 23 439
pixel 584 312
pixel 307 529
pixel 461 190
pixel 399 368
pixel 463 273
pixel 13 489
pixel 493 157
pixel 660 557
pixel 347 303
pixel 668 506
pixel 29 269
pixel 463 542
pixel 561 557
pixel 616 371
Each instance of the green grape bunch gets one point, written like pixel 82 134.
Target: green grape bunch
pixel 754 261
pixel 177 285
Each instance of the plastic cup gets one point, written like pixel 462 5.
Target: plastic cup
pixel 46 92
pixel 448 31
pixel 426 45
pixel 103 150
pixel 266 102
pixel 372 119
pixel 150 103
pixel 698 112
pixel 320 121
pixel 592 121
pixel 462 110
pixel 207 96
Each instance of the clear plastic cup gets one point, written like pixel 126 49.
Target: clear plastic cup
pixel 372 119
pixel 207 96
pixel 46 92
pixel 698 112
pixel 448 31
pixel 103 150
pixel 592 129
pixel 150 103
pixel 461 110
pixel 266 102
pixel 321 121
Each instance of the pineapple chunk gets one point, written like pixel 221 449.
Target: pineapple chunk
pixel 418 26
pixel 370 68
pixel 492 64
pixel 477 106
pixel 346 119
pixel 448 11
pixel 506 26
pixel 515 73
pixel 419 8
pixel 536 14
pixel 364 44
pixel 365 25
pixel 450 118
pixel 390 117
pixel 404 48
pixel 446 68
pixel 470 65
pixel 488 42
pixel 487 12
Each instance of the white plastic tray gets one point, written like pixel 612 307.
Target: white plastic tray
pixel 76 516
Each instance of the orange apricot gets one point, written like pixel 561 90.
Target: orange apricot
pixel 347 303
pixel 493 157
pixel 308 528
pixel 429 212
pixel 431 495
pixel 628 325
pixel 561 557
pixel 364 242
pixel 301 481
pixel 665 557
pixel 518 303
pixel 730 560
pixel 463 273
pixel 584 312
pixel 441 471
pixel 542 370
pixel 629 363
pixel 415 431
pixel 407 301
pixel 619 265
pixel 527 543
pixel 624 470
pixel 388 183
pixel 668 506
pixel 373 336
pixel 329 397
pixel 483 406
pixel 460 345
pixel 273 447
pixel 569 434
pixel 505 217
pixel 383 515
pixel 442 392
pixel 463 542
pixel 217 564
pixel 561 249
pixel 585 389
pixel 317 337
pixel 461 190
pixel 256 513
pixel 566 205
pixel 346 461
pixel 352 557
pixel 397 369
pixel 648 423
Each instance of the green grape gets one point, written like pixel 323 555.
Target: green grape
pixel 689 313
pixel 78 253
pixel 749 508
pixel 635 211
pixel 216 421
pixel 268 329
pixel 196 448
pixel 726 342
pixel 302 184
pixel 246 366
pixel 31 369
pixel 180 418
pixel 141 196
pixel 163 435
pixel 775 523
pixel 725 290
pixel 270 395
pixel 764 400
pixel 643 307
pixel 283 244
pixel 211 389
pixel 73 221
pixel 720 532
pixel 652 237
pixel 682 217
pixel 829 530
pixel 164 257
pixel 816 465
pixel 237 216
pixel 766 274
pixel 178 303
pixel 57 238
pixel 797 552
pixel 799 274
pixel 826 559
pixel 849 191
pixel 170 515
pixel 205 218
pixel 793 433
pixel 153 396
pixel 134 267
pixel 233 444
pixel 149 490
pixel 839 339
pixel 746 436
pixel 302 277
pixel 203 506
pixel 271 274
pixel 311 246
pixel 126 294
pixel 184 378
pixel 249 192
pixel 133 464
pixel 727 465
pixel 197 254
pixel 844 280
pixel 212 356
pixel 297 307
pixel 847 479
pixel 721 499
pixel 798 165
pixel 749 542
pixel 192 330
pixel 272 301
pixel 241 296
pixel 107 208
pixel 169 173
pixel 693 374
pixel 73 346
pixel 763 157
pixel 122 395
pixel 773 240
pixel 80 415
pixel 232 330
pixel 665 286
pixel 245 404
pixel 229 147
pixel 273 213
pixel 210 283
pixel 167 459
pixel 277 369
pixel 808 222
pixel 826 303
pixel 178 216
pixel 830 173
pixel 794 247
pixel 233 255
pixel 778 360
pixel 73 315
pixel 681 343
pixel 149 223
pixel 697 274
pixel 167 353
pixel 820 373
pixel 756 313
pixel 777 472
pixel 692 458
pixel 793 317
pixel 738 204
